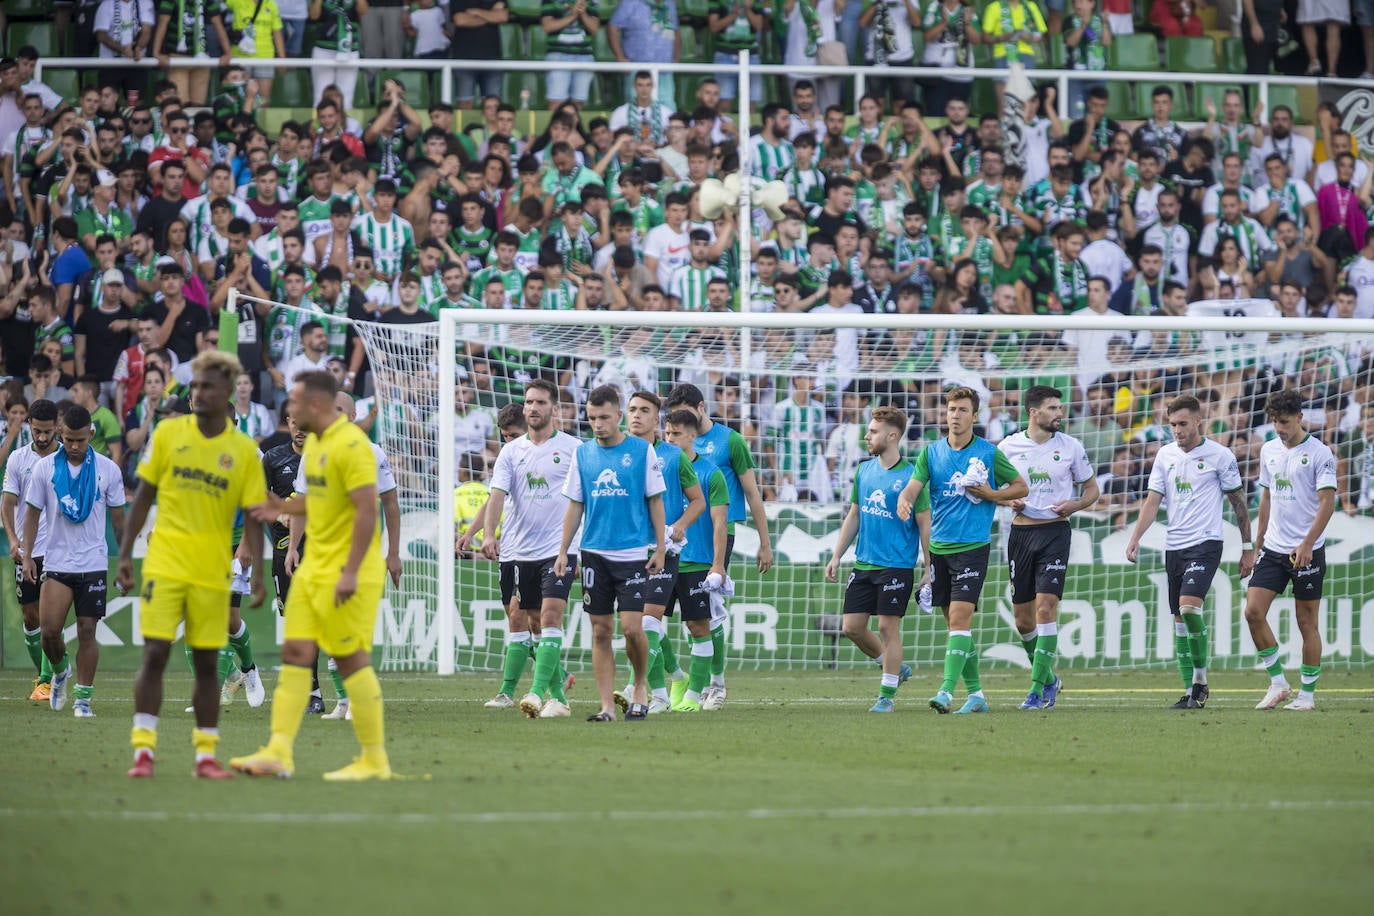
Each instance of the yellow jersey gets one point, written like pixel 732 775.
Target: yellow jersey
pixel 468 498
pixel 336 463
pixel 201 483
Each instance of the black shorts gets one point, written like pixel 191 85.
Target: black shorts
pixel 885 592
pixel 958 576
pixel 611 585
pixel 27 591
pixel 690 591
pixel 661 583
pixel 1274 571
pixel 280 580
pixel 88 591
pixel 1190 571
pixel 533 581
pixel 1038 558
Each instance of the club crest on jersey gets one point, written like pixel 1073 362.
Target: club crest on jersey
pixel 1303 460
pixel 226 461
pixel 626 461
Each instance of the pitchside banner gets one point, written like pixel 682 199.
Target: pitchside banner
pixel 1114 615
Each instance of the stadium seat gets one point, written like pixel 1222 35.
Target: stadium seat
pixel 601 46
pixel 539 43
pixel 292 89
pixel 693 12
pixel 29 9
pixel 1145 91
pixel 416 83
pixel 1190 55
pixel 42 35
pixel 1290 96
pixel 982 98
pixel 66 83
pixel 696 48
pixel 512 42
pixel 1133 52
pixel 1056 53
pixel 1233 55
pixel 1214 91
pixel 1121 101
pixel 526 12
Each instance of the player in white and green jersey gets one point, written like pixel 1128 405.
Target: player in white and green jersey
pixel 728 451
pixel 888 550
pixel 798 431
pixel 501 266
pixel 689 281
pixel 1054 465
pixel 391 238
pixel 1297 498
pixel 966 476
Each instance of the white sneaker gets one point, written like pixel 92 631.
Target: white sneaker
pixel 340 711
pixel 61 681
pixel 715 701
pixel 657 706
pixel 553 709
pixel 531 705
pixel 231 686
pixel 82 709
pixel 348 712
pixel 190 709
pixel 500 701
pixel 1275 695
pixel 252 687
pixel 623 698
pixel 1302 704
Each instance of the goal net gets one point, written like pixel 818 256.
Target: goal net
pixel 799 388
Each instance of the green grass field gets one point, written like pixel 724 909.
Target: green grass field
pixel 792 800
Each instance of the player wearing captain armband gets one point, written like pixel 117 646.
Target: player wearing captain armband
pixel 1054 465
pixel 616 487
pixel 1297 498
pixel 1189 477
pixel 889 548
pixel 683 504
pixel 967 475
pixel 727 450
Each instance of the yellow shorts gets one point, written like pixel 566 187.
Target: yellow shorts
pixel 167 602
pixel 340 631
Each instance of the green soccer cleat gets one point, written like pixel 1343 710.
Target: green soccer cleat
pixel 686 705
pixel 677 691
pixel 941 702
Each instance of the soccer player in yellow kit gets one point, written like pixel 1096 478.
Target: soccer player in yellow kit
pixel 336 589
pixel 201 470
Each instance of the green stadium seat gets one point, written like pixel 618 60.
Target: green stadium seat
pixel 1133 52
pixel 1121 101
pixel 513 83
pixel 601 46
pixel 1216 92
pixel 1145 91
pixel 696 48
pixel 292 89
pixel 1190 55
pixel 1057 52
pixel 416 83
pixel 42 35
pixel 539 43
pixel 512 42
pixel 29 9
pixel 982 99
pixel 693 12
pixel 525 11
pixel 1286 95
pixel 1233 55
pixel 66 83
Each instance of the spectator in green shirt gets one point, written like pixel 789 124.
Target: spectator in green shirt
pixel 108 437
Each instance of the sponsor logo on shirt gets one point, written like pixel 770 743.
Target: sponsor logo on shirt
pixel 608 484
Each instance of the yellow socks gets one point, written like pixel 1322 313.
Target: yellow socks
pixel 365 700
pixel 288 706
pixel 205 741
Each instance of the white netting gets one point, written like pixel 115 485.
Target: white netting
pixel 1114 614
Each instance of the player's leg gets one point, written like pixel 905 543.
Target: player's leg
pixel 966 572
pixel 88 600
pixel 55 599
pixel 341 710
pixel 1052 543
pixel 241 644
pixel 207 624
pixel 26 593
pixel 1201 567
pixel 715 696
pixel 1269 579
pixel 518 636
pixel 1183 653
pixel 637 650
pixel 548 667
pixel 148 702
pixel 1021 571
pixel 347 637
pixel 895 670
pixel 1307 588
pixel 603 663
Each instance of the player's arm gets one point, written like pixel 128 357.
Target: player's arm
pixel 1326 507
pixel 848 528
pixel 8 503
pixel 755 499
pixel 391 515
pixel 572 519
pixel 1148 510
pixel 144 497
pixel 491 509
pixel 295 527
pixel 923 527
pixel 696 505
pixel 1236 498
pixel 31 535
pixel 1090 495
pixel 364 500
pixel 720 538
pixel 906 500
pixel 1014 486
pixel 656 519
pixel 1262 521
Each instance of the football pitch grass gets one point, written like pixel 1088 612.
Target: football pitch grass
pixel 793 799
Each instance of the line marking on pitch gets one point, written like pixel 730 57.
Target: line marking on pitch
pixel 748 814
pixel 1239 698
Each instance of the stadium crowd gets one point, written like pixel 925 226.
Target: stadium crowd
pixel 129 214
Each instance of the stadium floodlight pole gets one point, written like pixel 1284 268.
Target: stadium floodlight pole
pixel 871 321
pixel 744 231
pixel 448 474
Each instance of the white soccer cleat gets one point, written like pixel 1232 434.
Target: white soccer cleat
pixel 339 712
pixel 233 683
pixel 714 699
pixel 82 709
pixel 252 687
pixel 657 706
pixel 1302 704
pixel 554 709
pixel 61 682
pixel 1275 695
pixel 500 701
pixel 531 705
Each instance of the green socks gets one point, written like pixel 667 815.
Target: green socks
pixel 889 684
pixel 33 641
pixel 671 665
pixel 1046 645
pixel 517 654
pixel 972 681
pixel 1183 653
pixel 546 663
pixel 656 679
pixel 703 654
pixel 80 692
pixel 1028 643
pixel 338 680
pixel 1309 674
pixel 957 654
pixel 45 671
pixel 718 650
pixel 242 644
pixel 1269 661
pixel 1197 644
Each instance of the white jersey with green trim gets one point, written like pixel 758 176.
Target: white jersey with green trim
pixel 1294 478
pixel 1192 484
